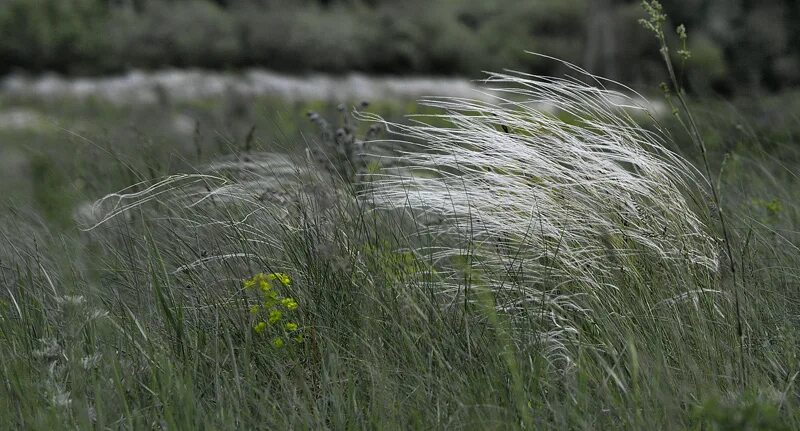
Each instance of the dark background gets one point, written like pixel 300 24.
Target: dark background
pixel 737 45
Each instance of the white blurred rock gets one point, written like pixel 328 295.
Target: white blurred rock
pixel 183 85
pixel 21 119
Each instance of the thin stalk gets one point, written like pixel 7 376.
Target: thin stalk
pixel 697 138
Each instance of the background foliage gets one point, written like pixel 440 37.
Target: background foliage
pixel 735 44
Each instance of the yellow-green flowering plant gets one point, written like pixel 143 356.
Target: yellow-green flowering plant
pixel 274 314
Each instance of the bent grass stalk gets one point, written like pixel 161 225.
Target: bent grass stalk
pixel 552 188
pixel 655 23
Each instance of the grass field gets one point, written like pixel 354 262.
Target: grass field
pixel 396 315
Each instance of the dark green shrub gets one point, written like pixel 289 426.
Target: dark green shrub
pixel 707 66
pixel 305 38
pixel 189 33
pixel 51 34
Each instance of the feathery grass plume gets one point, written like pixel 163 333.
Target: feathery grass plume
pixel 550 195
pixel 549 190
pixel 258 179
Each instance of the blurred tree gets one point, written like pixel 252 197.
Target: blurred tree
pixel 50 34
pixel 601 44
pixel 180 33
pixel 737 44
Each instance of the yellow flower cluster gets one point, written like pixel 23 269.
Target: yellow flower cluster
pixel 263 281
pixel 275 317
pixel 273 305
pixel 289 303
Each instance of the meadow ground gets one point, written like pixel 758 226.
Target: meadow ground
pixel 153 318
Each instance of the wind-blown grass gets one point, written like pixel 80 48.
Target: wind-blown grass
pixel 514 173
pixel 551 191
pixel 551 196
pixel 537 261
